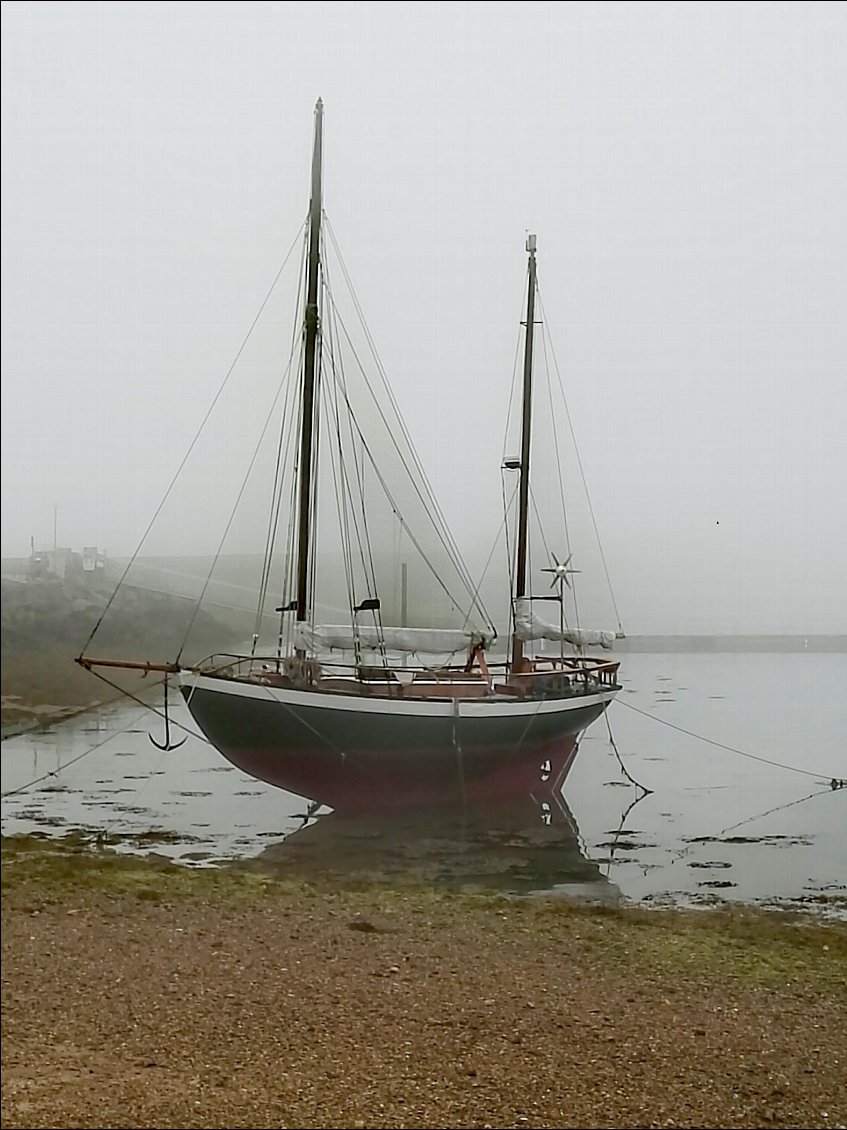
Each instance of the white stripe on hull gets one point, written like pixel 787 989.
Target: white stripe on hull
pixel 465 708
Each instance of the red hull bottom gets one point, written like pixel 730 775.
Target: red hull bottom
pixel 357 783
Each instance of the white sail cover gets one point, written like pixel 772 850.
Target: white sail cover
pixel 530 626
pixel 433 641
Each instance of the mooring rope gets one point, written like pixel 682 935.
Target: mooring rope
pixel 835 782
pixel 624 769
pixel 61 768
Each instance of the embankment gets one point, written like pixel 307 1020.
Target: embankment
pixel 46 624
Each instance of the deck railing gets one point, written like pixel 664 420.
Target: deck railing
pixel 573 675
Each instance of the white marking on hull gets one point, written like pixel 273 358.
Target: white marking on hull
pixel 467 708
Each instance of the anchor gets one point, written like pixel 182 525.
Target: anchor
pixel 168 746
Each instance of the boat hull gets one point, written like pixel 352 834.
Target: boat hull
pixel 351 752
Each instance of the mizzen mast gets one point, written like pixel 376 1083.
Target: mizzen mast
pixel 526 438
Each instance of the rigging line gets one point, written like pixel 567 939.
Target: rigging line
pixel 287 581
pixel 209 603
pixel 336 465
pixel 729 748
pixel 284 431
pixel 509 507
pixel 290 425
pixel 624 769
pixel 343 500
pixel 375 354
pixel 556 447
pixel 581 468
pixel 73 760
pixel 273 516
pixel 462 572
pixel 544 337
pixel 309 726
pixel 490 555
pixel 547 551
pixel 232 514
pixel 513 383
pixel 289 578
pixel 153 709
pixel 313 502
pixel 517 377
pixel 581 648
pixel 538 522
pixel 426 497
pixel 193 443
pixel 532 718
pixel 273 526
pixel 340 381
pixel 396 572
pixel 432 499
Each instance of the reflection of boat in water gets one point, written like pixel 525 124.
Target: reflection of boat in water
pixel 530 844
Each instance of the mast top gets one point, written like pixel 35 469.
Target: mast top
pixel 531 244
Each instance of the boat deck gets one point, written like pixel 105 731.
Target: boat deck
pixel 544 678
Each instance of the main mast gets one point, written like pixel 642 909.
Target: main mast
pixel 526 437
pixel 311 330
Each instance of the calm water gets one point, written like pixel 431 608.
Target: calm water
pixel 717 825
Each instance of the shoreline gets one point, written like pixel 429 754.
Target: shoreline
pixel 146 848
pixel 138 993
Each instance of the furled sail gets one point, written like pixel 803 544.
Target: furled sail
pixel 530 626
pixel 433 641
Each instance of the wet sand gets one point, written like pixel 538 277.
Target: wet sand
pixel 138 994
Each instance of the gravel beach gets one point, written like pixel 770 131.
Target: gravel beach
pixel 138 994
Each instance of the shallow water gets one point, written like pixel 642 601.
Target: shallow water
pixel 717 825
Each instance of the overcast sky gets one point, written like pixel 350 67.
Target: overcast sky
pixel 684 167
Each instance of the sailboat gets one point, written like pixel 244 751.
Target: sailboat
pixel 375 709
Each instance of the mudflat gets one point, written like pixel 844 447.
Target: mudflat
pixel 141 994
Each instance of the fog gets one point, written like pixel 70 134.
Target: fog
pixel 683 166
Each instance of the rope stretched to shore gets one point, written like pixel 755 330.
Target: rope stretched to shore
pixel 835 782
pixel 147 706
pixel 68 764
